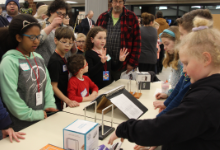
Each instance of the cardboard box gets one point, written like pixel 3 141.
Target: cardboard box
pixel 144 78
pixel 81 135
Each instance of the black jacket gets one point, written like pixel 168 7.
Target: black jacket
pixel 85 26
pixel 194 125
pixel 96 68
pixel 3 22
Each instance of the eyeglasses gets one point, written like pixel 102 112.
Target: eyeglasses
pixel 33 37
pixel 60 14
pixel 67 44
pixel 116 2
pixel 80 41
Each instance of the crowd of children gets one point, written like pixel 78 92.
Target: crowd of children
pixel 32 86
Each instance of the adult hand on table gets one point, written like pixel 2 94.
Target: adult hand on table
pixel 129 68
pixel 161 96
pixel 12 134
pixel 114 137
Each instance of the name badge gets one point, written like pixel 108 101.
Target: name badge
pixel 108 57
pixel 24 66
pixel 64 68
pixel 39 98
pixel 84 93
pixel 105 75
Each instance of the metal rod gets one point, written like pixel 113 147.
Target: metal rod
pixel 103 117
pixel 88 106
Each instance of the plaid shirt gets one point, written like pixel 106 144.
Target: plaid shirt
pixel 130 34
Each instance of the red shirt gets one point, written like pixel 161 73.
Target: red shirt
pixel 78 89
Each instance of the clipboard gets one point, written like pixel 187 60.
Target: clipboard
pixel 107 98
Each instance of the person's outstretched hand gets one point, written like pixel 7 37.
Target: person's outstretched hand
pixel 123 54
pixel 114 137
pixel 12 134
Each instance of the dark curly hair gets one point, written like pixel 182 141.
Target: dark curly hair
pixel 55 5
pixel 92 33
pixel 75 63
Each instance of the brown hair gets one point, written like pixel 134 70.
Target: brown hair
pixel 147 18
pixel 92 33
pixel 159 14
pixel 75 63
pixel 64 32
pixel 172 59
pixel 186 21
pixel 198 42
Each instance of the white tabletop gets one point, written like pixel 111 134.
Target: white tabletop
pixel 147 99
pixel 50 131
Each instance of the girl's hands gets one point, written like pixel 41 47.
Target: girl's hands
pixel 103 55
pixel 159 104
pixel 123 54
pixel 161 96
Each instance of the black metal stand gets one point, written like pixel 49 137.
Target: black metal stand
pixel 107 130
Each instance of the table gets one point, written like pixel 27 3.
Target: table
pixel 50 131
pixel 147 99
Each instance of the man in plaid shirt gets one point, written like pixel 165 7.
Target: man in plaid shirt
pixel 123 32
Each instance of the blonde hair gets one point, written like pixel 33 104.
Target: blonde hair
pixel 200 41
pixel 80 35
pixel 41 10
pixel 156 24
pixel 172 59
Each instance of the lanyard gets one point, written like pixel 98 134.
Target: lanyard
pixel 64 60
pixel 105 65
pixel 38 79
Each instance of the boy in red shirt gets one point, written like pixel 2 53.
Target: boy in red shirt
pixel 80 85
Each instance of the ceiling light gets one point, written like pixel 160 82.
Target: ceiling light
pixel 71 2
pixel 140 7
pixel 195 6
pixel 162 7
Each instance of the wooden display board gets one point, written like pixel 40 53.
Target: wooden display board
pixel 216 21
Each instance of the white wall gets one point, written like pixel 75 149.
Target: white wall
pixel 97 6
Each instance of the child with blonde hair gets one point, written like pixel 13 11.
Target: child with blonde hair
pixel 170 38
pixel 80 42
pixel 194 124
